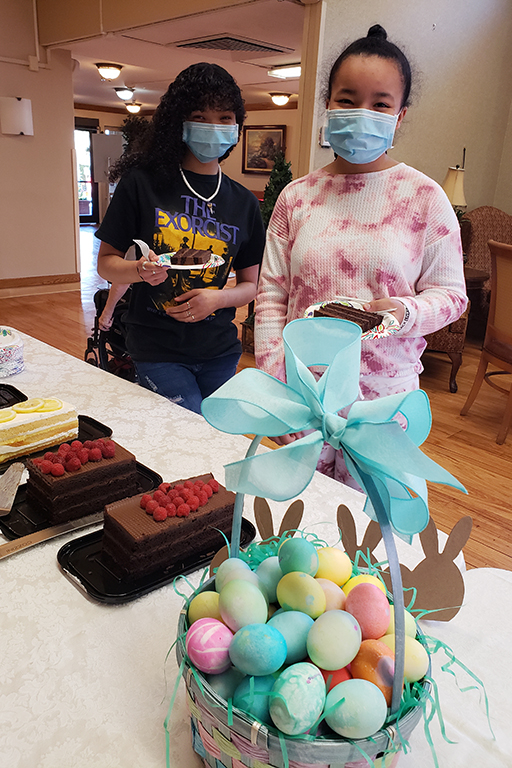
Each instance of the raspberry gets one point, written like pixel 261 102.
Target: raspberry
pixel 160 497
pixel 188 484
pixel 37 462
pixel 49 456
pixel 171 510
pixel 164 487
pixel 193 503
pixel 64 448
pixel 108 449
pixel 178 500
pixel 95 454
pixel 203 497
pixel 77 445
pixel 198 485
pixel 179 487
pixel 46 466
pixel 172 493
pixel 73 465
pixel 83 455
pixel 89 444
pixel 144 500
pixel 57 469
pixel 213 485
pixel 186 493
pixel 208 490
pixel 183 510
pixel 151 506
pixel 56 459
pixel 160 514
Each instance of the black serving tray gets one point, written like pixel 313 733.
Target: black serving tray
pixel 25 518
pixel 82 562
pixel 9 395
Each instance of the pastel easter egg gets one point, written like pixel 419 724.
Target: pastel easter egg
pixel 298 554
pixel 298 591
pixel 370 606
pixel 207 644
pixel 258 649
pixel 225 683
pixel 416 657
pixel 298 698
pixel 375 662
pixel 226 568
pixel 356 709
pixel 410 623
pixel 294 627
pixel 333 677
pixel 334 640
pixel 334 564
pixel 363 578
pixel 241 603
pixel 204 605
pixel 334 595
pixel 269 573
pixel 252 696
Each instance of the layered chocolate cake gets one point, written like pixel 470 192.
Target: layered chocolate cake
pixel 80 479
pixel 178 522
pixel 366 320
pixel 35 424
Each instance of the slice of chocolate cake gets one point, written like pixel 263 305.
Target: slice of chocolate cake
pixel 366 320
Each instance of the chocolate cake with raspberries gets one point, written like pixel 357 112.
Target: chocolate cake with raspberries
pixel 79 479
pixel 365 320
pixel 165 529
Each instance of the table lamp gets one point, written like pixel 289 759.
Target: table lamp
pixel 453 185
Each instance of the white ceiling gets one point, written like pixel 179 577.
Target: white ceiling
pixel 151 57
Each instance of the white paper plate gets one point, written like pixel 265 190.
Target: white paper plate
pixel 389 325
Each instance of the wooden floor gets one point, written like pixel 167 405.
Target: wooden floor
pixel 464 445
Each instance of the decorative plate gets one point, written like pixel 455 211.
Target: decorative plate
pixel 388 327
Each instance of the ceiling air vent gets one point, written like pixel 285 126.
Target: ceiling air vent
pixel 227 43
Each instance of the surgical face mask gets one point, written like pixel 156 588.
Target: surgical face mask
pixel 209 141
pixel 360 135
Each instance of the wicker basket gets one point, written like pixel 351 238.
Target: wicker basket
pixel 247 743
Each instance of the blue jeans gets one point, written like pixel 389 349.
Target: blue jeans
pixel 187 384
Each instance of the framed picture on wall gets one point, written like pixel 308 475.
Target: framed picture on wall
pixel 260 145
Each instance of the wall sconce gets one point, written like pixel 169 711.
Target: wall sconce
pixel 280 99
pixel 16 116
pixel 133 107
pixel 125 93
pixel 109 71
pixel 290 71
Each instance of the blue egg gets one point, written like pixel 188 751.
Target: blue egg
pixel 294 627
pixel 252 696
pixel 258 649
pixel 269 573
pixel 226 682
pixel 357 709
pixel 297 699
pixel 298 554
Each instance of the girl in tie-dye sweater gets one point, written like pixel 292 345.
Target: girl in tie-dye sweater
pixel 366 228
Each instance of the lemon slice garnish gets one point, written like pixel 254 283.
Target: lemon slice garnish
pixel 50 404
pixel 7 414
pixel 29 405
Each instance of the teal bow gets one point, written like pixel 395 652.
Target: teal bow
pixel 374 444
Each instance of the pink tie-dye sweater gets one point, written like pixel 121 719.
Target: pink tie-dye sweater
pixel 388 234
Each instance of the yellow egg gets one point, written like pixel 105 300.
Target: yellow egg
pixel 298 591
pixel 363 579
pixel 205 605
pixel 416 657
pixel 410 623
pixel 334 565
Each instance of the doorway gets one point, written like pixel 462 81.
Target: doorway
pixel 87 191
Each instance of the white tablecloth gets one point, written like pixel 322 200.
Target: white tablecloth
pixel 84 684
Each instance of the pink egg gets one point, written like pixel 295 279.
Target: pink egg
pixel 334 595
pixel 369 605
pixel 207 645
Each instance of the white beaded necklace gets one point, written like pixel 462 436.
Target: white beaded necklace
pixel 207 200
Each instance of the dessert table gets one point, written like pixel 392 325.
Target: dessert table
pixel 86 684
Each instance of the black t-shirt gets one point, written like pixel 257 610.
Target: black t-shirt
pixel 175 221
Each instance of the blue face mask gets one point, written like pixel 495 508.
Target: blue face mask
pixel 360 135
pixel 209 141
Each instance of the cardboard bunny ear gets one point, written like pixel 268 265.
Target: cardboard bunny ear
pixel 347 527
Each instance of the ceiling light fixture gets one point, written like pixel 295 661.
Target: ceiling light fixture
pixel 124 93
pixel 109 71
pixel 280 99
pixel 133 107
pixel 290 71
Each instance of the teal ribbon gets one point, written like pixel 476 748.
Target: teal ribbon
pixel 374 444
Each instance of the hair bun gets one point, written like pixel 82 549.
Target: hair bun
pixel 377 31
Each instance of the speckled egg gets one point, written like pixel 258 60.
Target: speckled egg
pixel 334 564
pixel 207 644
pixel 370 606
pixel 375 662
pixel 241 603
pixel 258 649
pixel 334 640
pixel 410 623
pixel 204 605
pixel 294 627
pixel 226 568
pixel 298 698
pixel 357 709
pixel 269 573
pixel 334 595
pixel 252 696
pixel 363 578
pixel 298 591
pixel 416 657
pixel 298 554
pixel 225 683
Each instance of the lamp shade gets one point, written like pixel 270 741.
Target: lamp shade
pixel 109 71
pixel 133 107
pixel 280 99
pixel 125 93
pixel 453 185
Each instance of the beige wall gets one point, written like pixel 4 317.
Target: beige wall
pixel 462 52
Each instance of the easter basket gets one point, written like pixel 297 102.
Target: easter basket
pixel 385 460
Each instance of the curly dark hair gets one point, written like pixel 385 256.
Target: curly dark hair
pixel 161 151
